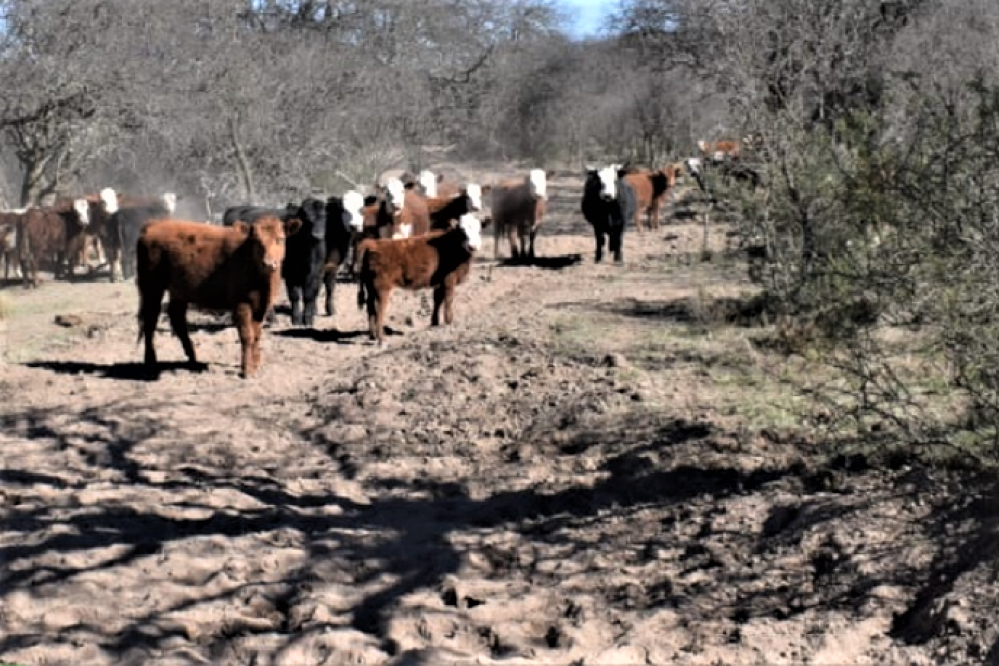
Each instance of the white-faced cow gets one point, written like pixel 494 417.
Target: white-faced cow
pixel 608 203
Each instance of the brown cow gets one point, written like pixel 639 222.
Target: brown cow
pixel 439 260
pixel 652 189
pixel 518 209
pixel 235 268
pixel 50 233
pixel 402 211
pixel 719 151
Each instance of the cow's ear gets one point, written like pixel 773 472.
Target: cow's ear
pixel 440 178
pixel 292 226
pixel 409 185
pixel 241 226
pixel 486 189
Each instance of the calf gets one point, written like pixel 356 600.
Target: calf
pixel 446 210
pixel 345 217
pixel 47 233
pixel 439 260
pixel 402 212
pixel 126 224
pixel 518 209
pixel 652 189
pixel 608 203
pixel 235 268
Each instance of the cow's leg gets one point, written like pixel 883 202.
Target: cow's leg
pixel 177 311
pixel 533 236
pixel 497 234
pixel 378 300
pixel 511 234
pixel 243 317
pixel 150 303
pixel 295 297
pixel 440 295
pixel 258 330
pixel 616 233
pixel 310 296
pixel 599 235
pixel 449 304
pixel 329 282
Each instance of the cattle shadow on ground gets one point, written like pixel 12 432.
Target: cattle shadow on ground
pixel 552 263
pixel 323 335
pixel 128 371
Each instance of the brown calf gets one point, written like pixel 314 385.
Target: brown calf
pixel 235 268
pixel 652 189
pixel 439 260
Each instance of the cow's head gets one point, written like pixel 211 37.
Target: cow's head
pixel 428 182
pixel 608 182
pixel 538 180
pixel 470 224
pixel 353 202
pixel 312 214
pixel 474 193
pixel 109 200
pixel 82 209
pixel 169 202
pixel 395 196
pixel 267 239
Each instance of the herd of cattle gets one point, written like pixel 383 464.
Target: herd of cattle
pixel 410 232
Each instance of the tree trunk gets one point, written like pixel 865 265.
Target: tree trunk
pixel 244 164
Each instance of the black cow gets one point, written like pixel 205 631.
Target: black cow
pixel 305 254
pixel 608 203
pixel 346 221
pixel 125 225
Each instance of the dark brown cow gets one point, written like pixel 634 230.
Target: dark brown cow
pixel 518 209
pixel 235 268
pixel 446 210
pixel 50 233
pixel 101 207
pixel 439 260
pixel 652 189
pixel 402 211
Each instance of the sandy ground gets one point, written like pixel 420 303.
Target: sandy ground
pixel 573 473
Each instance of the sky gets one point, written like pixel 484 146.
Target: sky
pixel 587 15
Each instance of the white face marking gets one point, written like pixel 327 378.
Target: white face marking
pixel 472 227
pixel 405 230
pixel 474 193
pixel 608 182
pixel 353 202
pixel 110 200
pixel 395 195
pixel 539 184
pixel 170 202
pixel 694 165
pixel 428 181
pixel 82 209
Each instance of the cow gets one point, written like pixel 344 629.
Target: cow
pixel 125 225
pixel 305 256
pixel 402 211
pixel 518 209
pixel 235 268
pixel 48 233
pixel 101 207
pixel 608 203
pixel 652 189
pixel 345 222
pixel 427 182
pixel 446 210
pixel 439 260
pixel 718 151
